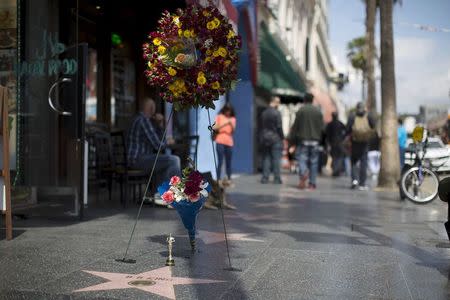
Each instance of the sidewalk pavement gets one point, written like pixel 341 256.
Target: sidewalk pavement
pixel 332 243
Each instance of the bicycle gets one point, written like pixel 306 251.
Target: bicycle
pixel 419 183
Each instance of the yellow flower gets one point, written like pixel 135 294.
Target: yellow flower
pixel 177 87
pixel 215 85
pixel 161 49
pixel 227 63
pixel 208 59
pixel 230 34
pixel 180 32
pixel 210 25
pixel 176 20
pixel 193 33
pixel 172 87
pixel 172 71
pixel 187 33
pixel 222 51
pixel 208 52
pixel 216 22
pixel 179 83
pixel 149 64
pixel 201 80
pixel 216 53
pixel 201 74
pixel 156 41
pixel 206 13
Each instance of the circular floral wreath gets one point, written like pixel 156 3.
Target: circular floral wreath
pixel 192 56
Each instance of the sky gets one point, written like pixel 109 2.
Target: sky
pixel 422 58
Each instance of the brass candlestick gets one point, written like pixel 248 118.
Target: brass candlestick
pixel 170 261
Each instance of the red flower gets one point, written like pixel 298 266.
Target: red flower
pixel 192 186
pixel 168 196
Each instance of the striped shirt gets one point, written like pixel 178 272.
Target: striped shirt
pixel 142 138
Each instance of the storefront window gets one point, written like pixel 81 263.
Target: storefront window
pixel 123 85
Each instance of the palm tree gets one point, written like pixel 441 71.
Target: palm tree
pixel 390 162
pixel 370 52
pixel 355 54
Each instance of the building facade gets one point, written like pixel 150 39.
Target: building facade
pixel 301 27
pixel 72 66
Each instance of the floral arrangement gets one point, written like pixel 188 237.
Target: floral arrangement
pixel 190 187
pixel 193 56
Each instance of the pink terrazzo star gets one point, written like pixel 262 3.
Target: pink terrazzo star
pixel 274 205
pixel 209 237
pixel 159 281
pixel 252 217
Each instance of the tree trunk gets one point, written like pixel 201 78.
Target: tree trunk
pixel 371 10
pixel 363 86
pixel 390 160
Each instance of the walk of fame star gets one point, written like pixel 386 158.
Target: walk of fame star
pixel 159 281
pixel 209 237
pixel 251 217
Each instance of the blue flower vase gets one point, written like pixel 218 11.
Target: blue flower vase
pixel 187 211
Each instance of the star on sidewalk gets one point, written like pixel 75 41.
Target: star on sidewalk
pixel 274 205
pixel 251 217
pixel 209 237
pixel 159 281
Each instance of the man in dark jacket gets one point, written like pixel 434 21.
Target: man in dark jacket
pixel 360 127
pixel 306 134
pixel 271 140
pixel 335 134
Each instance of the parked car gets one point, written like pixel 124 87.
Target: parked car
pixel 437 155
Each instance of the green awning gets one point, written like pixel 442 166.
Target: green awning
pixel 276 75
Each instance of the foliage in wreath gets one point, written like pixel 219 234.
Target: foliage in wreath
pixel 192 56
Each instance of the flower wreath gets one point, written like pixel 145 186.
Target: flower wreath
pixel 193 56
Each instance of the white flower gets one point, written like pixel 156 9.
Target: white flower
pixel 208 43
pixel 204 192
pixel 178 193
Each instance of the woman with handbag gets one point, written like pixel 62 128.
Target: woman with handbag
pixel 224 127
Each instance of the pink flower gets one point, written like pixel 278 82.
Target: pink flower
pixel 175 180
pixel 168 196
pixel 194 198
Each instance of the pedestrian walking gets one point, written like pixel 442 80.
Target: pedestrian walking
pixel 271 141
pixel 335 133
pixel 224 126
pixel 402 141
pixel 360 127
pixel 306 134
pixel 374 155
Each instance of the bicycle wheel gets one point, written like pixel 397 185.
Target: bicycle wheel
pixel 420 185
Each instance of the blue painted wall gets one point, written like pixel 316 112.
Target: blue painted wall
pixel 205 157
pixel 242 99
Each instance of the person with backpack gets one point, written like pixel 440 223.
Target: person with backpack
pixel 361 128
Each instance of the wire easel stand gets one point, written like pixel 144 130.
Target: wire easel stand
pixel 132 261
pixel 230 266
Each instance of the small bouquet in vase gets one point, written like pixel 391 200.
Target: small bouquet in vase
pixel 186 194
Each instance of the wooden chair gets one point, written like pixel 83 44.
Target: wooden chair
pixel 102 163
pixel 189 149
pixel 125 175
pixel 95 177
